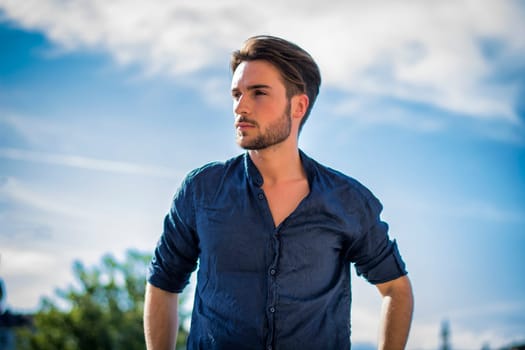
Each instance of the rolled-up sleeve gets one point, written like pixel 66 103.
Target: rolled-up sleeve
pixel 375 256
pixel 177 250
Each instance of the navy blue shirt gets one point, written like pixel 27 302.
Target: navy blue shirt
pixel 266 287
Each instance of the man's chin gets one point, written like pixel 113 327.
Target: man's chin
pixel 249 146
pixel 245 144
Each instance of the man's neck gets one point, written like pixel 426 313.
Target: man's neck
pixel 278 163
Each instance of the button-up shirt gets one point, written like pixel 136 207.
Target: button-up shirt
pixel 265 287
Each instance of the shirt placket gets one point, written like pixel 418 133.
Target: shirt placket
pixel 271 271
pixel 272 274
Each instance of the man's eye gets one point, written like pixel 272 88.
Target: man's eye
pixel 259 92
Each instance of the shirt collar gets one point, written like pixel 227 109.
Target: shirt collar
pixel 252 173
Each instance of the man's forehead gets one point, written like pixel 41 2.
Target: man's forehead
pixel 256 72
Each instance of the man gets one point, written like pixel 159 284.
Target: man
pixel 273 230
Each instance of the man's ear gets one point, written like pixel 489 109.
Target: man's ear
pixel 299 105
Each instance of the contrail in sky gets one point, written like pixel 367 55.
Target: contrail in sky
pixel 81 162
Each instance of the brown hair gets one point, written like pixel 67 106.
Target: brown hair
pixel 298 70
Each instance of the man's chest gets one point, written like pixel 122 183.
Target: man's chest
pixel 241 236
pixel 284 198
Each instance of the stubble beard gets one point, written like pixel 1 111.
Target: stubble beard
pixel 273 134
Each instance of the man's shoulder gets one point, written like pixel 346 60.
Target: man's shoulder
pixel 215 169
pixel 337 179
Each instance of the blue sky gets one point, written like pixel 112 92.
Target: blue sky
pixel 104 107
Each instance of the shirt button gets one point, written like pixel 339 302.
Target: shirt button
pixel 261 196
pixel 273 272
pixel 272 309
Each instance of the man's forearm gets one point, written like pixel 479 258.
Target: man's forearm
pixel 396 315
pixel 160 319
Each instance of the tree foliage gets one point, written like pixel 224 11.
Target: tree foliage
pixel 103 311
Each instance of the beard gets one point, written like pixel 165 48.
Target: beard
pixel 273 134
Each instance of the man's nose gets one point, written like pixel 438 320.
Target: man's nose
pixel 241 106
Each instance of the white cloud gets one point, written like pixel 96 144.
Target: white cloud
pixel 41 133
pixel 37 132
pixel 44 227
pixel 426 335
pixel 26 261
pixel 470 328
pixel 476 209
pixel 468 325
pixel 26 275
pixel 422 51
pixel 13 191
pixel 76 161
pixel 367 111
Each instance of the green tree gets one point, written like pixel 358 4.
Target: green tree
pixel 103 311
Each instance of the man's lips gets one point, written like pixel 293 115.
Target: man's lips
pixel 244 125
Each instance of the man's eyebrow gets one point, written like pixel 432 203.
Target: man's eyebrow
pixel 258 86
pixel 254 87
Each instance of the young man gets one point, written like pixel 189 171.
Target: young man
pixel 274 231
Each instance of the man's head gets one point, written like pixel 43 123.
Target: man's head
pixel 299 72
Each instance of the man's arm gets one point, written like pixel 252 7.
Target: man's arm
pixel 396 313
pixel 160 318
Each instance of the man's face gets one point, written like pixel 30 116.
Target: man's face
pixel 260 106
